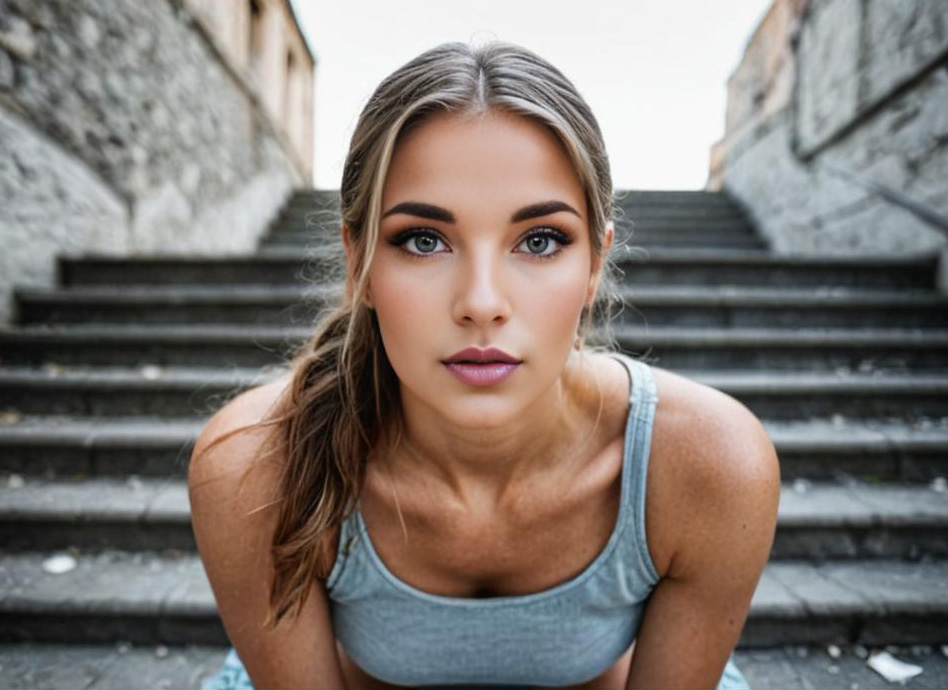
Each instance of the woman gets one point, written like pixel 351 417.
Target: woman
pixel 450 487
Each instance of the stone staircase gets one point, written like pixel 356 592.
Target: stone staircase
pixel 106 380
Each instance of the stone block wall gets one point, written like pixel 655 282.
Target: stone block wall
pixel 125 132
pixel 827 85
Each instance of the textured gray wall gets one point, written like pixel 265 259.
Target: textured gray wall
pixel 864 89
pixel 129 135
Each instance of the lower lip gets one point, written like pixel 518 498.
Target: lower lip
pixel 482 374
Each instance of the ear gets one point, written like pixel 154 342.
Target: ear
pixel 599 262
pixel 347 244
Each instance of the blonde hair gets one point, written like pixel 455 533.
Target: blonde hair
pixel 342 404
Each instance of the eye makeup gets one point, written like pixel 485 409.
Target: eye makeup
pixel 551 233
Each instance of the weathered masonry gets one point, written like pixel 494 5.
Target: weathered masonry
pixel 146 128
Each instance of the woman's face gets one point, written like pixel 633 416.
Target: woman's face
pixel 487 278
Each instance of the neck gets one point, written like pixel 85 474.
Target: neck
pixel 480 467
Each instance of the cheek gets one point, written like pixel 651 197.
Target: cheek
pixel 406 309
pixel 552 298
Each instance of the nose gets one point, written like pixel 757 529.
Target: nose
pixel 481 295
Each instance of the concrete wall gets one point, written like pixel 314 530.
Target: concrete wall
pixel 857 85
pixel 126 129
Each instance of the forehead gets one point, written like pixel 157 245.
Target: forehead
pixel 462 160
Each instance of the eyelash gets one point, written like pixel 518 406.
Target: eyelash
pixel 546 231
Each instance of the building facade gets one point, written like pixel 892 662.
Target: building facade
pixel 172 127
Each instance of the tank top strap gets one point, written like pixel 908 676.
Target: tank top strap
pixel 643 400
pixel 348 534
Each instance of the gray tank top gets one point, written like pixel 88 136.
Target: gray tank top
pixel 564 635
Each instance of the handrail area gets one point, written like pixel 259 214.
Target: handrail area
pixel 921 211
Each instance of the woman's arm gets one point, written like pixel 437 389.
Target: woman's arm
pixel 726 513
pixel 234 543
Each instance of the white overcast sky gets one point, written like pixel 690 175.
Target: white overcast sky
pixel 653 71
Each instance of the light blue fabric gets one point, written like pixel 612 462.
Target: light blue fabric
pixel 564 635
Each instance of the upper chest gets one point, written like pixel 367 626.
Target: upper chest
pixel 559 529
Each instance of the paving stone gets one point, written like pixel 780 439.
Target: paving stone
pixel 785 667
pixel 122 666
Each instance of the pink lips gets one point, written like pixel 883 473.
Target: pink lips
pixel 486 374
pixel 478 367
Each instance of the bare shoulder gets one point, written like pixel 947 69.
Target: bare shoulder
pixel 228 453
pixel 713 469
pixel 247 408
pixel 242 462
pixel 233 487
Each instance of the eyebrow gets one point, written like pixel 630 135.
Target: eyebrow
pixel 432 212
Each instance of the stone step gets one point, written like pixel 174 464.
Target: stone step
pixel 780 349
pixel 130 513
pixel 686 225
pixel 838 666
pixel 119 666
pixel 786 349
pixel 186 391
pixel 844 395
pixel 262 269
pixel 58 666
pixel 82 447
pixel 698 212
pixel 654 305
pixel 110 391
pixel 255 304
pixel 140 597
pixel 149 598
pixel 657 266
pixel 633 198
pixel 788 307
pixel 816 520
pixel 312 193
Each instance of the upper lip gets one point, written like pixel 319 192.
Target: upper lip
pixel 473 354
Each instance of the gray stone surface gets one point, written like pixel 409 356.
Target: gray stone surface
pixel 812 668
pixel 107 582
pixel 121 666
pixel 863 505
pixel 868 99
pixel 900 38
pixel 820 595
pixel 52 204
pixel 920 588
pixel 142 140
pixel 828 63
